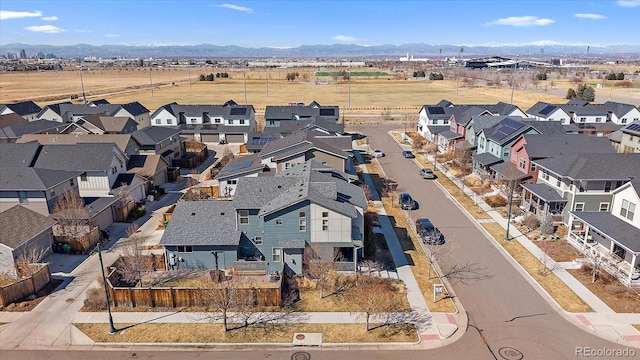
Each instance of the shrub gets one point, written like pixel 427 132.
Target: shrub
pixel 495 201
pixel 531 221
pixel 96 299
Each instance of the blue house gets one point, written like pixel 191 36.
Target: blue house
pixel 270 223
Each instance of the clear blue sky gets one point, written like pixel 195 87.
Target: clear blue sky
pixel 299 22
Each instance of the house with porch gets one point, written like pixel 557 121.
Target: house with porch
pixel 612 238
pixel 269 225
pixel 578 183
pixel 161 141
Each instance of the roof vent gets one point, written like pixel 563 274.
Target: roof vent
pixel 193 214
pixel 279 186
pixel 221 213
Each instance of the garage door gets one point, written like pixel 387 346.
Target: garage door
pixel 210 138
pixel 235 138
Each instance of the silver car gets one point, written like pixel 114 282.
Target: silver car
pixel 427 173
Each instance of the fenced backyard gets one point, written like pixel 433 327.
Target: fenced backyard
pixel 29 285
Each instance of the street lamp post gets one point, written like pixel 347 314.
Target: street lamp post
pixel 112 329
pixel 513 185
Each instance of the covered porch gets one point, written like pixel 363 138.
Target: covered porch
pixel 612 241
pixel 542 200
pixel 482 165
pixel 447 140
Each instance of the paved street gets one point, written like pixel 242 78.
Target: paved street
pixel 505 311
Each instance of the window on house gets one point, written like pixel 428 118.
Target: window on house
pixel 272 122
pixel 158 121
pixel 230 121
pixel 287 165
pixel 598 119
pixel 185 249
pixel 604 206
pixel 244 216
pixel 241 121
pixel 276 254
pixel 558 181
pixel 545 175
pixel 232 182
pixel 583 119
pixel 278 222
pixel 22 195
pixel 257 240
pixel 53 192
pixel 523 163
pixel 193 121
pixel 607 186
pixel 533 167
pixel 302 221
pixel 83 177
pixel 579 207
pixel 169 121
pixel 217 121
pixel 628 209
pixel 325 224
pixel 72 183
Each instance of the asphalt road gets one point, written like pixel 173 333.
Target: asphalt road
pixel 508 318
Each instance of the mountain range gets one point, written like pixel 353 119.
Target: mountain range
pixel 316 51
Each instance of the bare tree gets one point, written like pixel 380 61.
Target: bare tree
pixel 134 263
pixel 71 215
pixel 595 262
pixel 372 295
pixel 318 269
pixel 547 264
pixel 125 195
pixel 27 261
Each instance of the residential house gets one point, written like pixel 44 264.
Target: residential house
pixel 27 109
pixel 269 224
pixel 11 119
pixel 68 112
pixel 125 142
pixel 274 116
pixel 12 132
pixel 257 140
pixel 581 182
pixel 151 167
pixel 630 138
pixel 531 147
pixel 612 238
pixel 24 234
pixel 161 141
pixel 99 164
pixel 228 123
pixel 621 114
pixel 112 124
pixel 543 111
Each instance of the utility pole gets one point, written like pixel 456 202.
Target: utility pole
pixel 84 98
pixel 244 71
pixel 458 76
pixel 267 69
pixel 349 96
pixel 112 329
pixel 150 81
pixel 513 185
pixel 189 67
pixel 513 80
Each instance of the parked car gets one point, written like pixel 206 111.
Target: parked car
pixel 428 233
pixel 427 173
pixel 377 153
pixel 406 201
pixel 408 154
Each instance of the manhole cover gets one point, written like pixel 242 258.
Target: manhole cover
pixel 300 336
pixel 301 356
pixel 509 353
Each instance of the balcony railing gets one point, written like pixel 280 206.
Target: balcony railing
pixel 344 266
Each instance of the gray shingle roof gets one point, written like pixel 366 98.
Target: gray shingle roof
pixel 11 119
pixel 621 231
pixel 31 127
pixel 18 155
pixel 24 108
pixel 292 112
pixel 202 223
pixel 594 166
pixel 241 166
pixel 77 157
pixel 545 192
pixel 544 145
pixel 153 135
pixel 546 127
pixel 33 179
pixel 19 224
pixel 486 159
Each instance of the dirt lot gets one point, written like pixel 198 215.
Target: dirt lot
pixel 370 95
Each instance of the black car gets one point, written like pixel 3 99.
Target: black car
pixel 408 154
pixel 428 233
pixel 406 202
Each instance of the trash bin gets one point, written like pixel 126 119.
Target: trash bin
pixel 66 248
pixel 165 223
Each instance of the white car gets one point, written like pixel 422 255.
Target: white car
pixel 377 153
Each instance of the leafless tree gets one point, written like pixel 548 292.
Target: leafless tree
pixel 370 265
pixel 134 263
pixel 465 273
pixel 219 301
pixel 125 195
pixel 318 269
pixel 372 295
pixel 27 261
pixel 547 264
pixel 595 261
pixel 71 215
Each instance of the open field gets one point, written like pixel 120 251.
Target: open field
pixel 367 94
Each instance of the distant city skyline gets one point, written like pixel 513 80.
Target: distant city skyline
pixel 286 24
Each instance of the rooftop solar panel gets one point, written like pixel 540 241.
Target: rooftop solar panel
pixel 435 110
pixel 262 140
pixel 634 127
pixel 238 166
pixel 327 112
pixel 238 111
pixel 547 109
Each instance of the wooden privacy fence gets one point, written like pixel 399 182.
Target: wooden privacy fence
pixel 25 287
pixel 81 244
pixel 122 213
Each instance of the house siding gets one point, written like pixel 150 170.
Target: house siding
pixel 289 230
pixel 629 194
pixel 202 258
pixel 36 201
pixel 339 226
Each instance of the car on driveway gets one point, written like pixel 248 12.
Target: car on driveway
pixel 428 233
pixel 408 154
pixel 407 202
pixel 377 153
pixel 427 173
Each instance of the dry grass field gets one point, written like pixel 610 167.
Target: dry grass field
pixel 364 95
